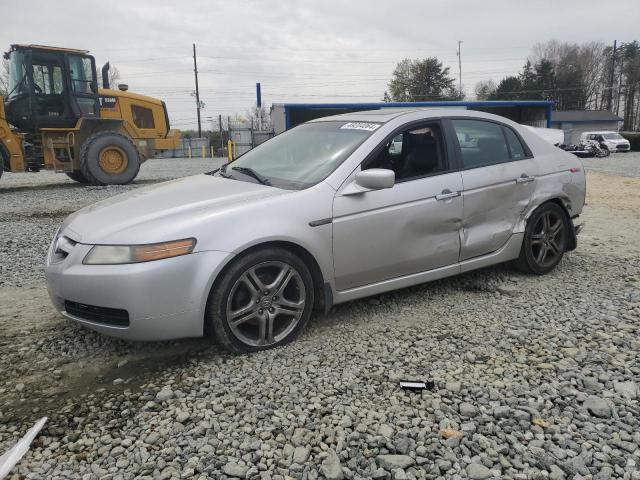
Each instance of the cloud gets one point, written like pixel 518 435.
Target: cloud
pixel 303 51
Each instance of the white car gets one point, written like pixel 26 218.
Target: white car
pixel 613 141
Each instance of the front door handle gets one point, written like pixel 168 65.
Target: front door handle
pixel 524 178
pixel 446 194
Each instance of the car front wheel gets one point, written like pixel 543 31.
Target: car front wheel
pixel 545 240
pixel 263 300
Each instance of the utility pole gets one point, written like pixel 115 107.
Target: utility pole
pixel 613 67
pixel 195 70
pixel 259 105
pixel 619 86
pixel 460 65
pixel 220 129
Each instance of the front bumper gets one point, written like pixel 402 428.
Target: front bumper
pixel 164 299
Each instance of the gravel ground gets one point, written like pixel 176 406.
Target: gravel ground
pixel 622 164
pixel 530 377
pixel 32 206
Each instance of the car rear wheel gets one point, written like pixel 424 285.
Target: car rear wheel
pixel 545 240
pixel 263 300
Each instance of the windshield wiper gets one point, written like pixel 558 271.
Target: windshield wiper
pixel 252 173
pixel 223 171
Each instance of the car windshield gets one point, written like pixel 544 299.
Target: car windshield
pixel 302 156
pixel 612 136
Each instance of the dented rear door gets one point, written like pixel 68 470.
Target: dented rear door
pixel 497 188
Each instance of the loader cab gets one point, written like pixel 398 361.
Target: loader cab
pixel 50 87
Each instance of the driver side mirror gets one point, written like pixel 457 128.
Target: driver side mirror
pixel 372 179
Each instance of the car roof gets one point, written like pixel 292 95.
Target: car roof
pixel 385 115
pixel 592 132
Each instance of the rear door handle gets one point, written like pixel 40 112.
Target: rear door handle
pixel 524 178
pixel 446 194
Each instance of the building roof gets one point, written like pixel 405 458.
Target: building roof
pixel 584 116
pixel 377 105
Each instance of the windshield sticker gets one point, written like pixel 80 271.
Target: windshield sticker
pixel 369 127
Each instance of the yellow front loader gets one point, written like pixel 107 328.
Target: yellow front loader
pixel 55 117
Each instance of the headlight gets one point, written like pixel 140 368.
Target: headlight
pixel 120 254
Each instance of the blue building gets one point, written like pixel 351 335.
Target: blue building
pixel 536 113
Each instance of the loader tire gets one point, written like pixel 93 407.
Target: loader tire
pixel 77 176
pixel 4 160
pixel 109 158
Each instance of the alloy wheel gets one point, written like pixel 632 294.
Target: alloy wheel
pixel 548 239
pixel 266 303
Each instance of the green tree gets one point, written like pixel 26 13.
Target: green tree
pixel 421 80
pixel 509 88
pixel 581 70
pixel 631 73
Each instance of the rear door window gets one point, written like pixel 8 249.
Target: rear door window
pixel 481 143
pixel 515 145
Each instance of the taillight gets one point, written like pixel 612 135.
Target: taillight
pixel 574 170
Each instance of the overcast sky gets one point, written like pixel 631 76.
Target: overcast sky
pixel 302 52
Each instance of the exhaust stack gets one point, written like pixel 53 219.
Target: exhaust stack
pixel 105 75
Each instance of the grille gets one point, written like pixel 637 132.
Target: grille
pixel 108 316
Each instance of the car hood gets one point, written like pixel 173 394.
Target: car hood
pixel 159 212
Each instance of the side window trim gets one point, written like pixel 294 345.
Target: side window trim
pixel 506 140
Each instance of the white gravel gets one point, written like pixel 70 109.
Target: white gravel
pixel 622 164
pixel 32 206
pixel 533 377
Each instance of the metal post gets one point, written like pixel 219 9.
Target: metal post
pixel 460 66
pixel 259 105
pixel 220 128
pixel 619 85
pixel 611 74
pixel 195 70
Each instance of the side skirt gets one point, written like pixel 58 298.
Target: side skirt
pixel 509 251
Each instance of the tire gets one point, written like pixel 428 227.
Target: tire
pixel 109 158
pixel 3 159
pixel 267 319
pixel 545 240
pixel 603 152
pixel 77 176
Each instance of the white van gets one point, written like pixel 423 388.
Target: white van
pixel 611 140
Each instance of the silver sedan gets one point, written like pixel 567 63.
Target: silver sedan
pixel 335 209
